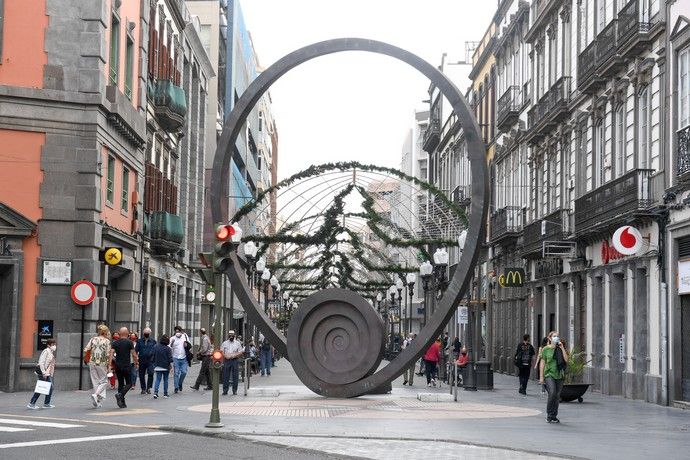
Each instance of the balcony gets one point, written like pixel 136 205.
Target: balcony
pixel 506 224
pixel 613 202
pixel 166 232
pixel 553 227
pixel 432 135
pixel 683 158
pixel 633 34
pixel 461 195
pixel 608 60
pixel 559 99
pixel 587 80
pixel 509 106
pixel 550 109
pixel 169 105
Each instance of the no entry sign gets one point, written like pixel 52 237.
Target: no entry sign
pixel 83 292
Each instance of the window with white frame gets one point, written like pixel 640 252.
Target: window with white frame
pixel 643 143
pixel 619 119
pixel 599 153
pixel 684 89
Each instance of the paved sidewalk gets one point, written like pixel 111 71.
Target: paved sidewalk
pixel 391 426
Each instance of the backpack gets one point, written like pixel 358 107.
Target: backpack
pixel 523 358
pixel 265 345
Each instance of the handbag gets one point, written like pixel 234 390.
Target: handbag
pixel 87 356
pixel 38 370
pixel 43 387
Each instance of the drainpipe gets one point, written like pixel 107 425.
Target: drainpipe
pixel 662 222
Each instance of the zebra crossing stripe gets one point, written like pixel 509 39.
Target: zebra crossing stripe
pixel 36 423
pixel 51 442
pixel 13 429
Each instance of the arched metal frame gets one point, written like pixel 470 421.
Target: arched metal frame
pixel 477 217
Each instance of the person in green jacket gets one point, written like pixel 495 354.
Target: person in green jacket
pixel 551 375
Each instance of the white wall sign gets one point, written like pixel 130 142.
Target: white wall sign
pixel 57 272
pixel 684 277
pixel 462 315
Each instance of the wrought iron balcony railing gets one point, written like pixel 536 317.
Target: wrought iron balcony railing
pixel 170 105
pixel 166 232
pixel 461 195
pixel 633 29
pixel 683 157
pixel 553 227
pixel 559 97
pixel 506 223
pixel 586 66
pixel 613 201
pixel 432 135
pixel 509 106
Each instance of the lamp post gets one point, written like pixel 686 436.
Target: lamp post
pixel 250 251
pixel 260 267
pixel 425 270
pixel 441 266
pixel 379 298
pixel 411 278
pixel 392 291
pixel 266 279
pixel 399 284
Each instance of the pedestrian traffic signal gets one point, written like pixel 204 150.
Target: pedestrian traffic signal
pixel 110 256
pixel 227 239
pixel 217 359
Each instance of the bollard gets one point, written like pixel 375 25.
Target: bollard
pixel 247 374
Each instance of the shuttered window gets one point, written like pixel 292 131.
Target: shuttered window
pixel 684 248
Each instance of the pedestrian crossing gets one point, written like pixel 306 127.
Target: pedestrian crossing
pixel 13 425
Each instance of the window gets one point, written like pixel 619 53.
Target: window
pixel 620 141
pixel 599 153
pixel 125 189
pixel 114 49
pixel 261 121
pixel 129 67
pixel 683 89
pixel 643 141
pixel 110 181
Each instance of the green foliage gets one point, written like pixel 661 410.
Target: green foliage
pixel 576 366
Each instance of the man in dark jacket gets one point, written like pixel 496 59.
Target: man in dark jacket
pixel 144 349
pixel 523 360
pixel 205 352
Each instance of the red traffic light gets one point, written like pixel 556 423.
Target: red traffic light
pixel 224 232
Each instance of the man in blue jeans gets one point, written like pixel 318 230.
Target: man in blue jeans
pixel 179 357
pixel 232 351
pixel 266 357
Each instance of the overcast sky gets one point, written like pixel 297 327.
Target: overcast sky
pixel 356 106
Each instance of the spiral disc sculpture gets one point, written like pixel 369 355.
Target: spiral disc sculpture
pixel 335 340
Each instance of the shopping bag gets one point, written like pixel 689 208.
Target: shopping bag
pixel 43 387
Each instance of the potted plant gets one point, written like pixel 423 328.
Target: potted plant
pixel 573 388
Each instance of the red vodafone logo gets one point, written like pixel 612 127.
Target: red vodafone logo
pixel 627 240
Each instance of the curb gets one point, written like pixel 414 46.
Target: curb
pixel 233 436
pixel 240 436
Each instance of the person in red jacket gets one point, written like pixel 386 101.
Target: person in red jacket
pixel 431 358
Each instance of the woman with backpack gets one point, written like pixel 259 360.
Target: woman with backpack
pixel 523 361
pixel 554 359
pixel 45 371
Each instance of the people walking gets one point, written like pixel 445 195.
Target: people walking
pixel 98 352
pixel 265 356
pixel 232 350
pixel 409 373
pixel 431 358
pixel 554 359
pixel 144 349
pixel 112 378
pixel 134 338
pixel 45 371
pixel 162 359
pixel 524 354
pixel 205 352
pixel 123 350
pixel 179 352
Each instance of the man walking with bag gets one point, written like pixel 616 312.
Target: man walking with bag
pixel 179 346
pixel 554 359
pixel 523 360
pixel 144 349
pixel 124 352
pixel 45 371
pixel 204 355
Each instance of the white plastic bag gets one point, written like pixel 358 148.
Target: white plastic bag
pixel 43 387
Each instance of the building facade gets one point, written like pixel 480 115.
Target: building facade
pixel 106 158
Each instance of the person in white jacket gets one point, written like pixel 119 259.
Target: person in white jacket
pixel 46 365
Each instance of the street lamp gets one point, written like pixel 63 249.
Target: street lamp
pixel 399 284
pixel 411 278
pixel 425 271
pixel 250 251
pixel 392 291
pixel 379 298
pixel 266 278
pixel 441 263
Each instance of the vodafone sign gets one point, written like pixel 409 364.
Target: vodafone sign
pixel 627 240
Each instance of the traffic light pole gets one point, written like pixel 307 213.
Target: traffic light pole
pixel 214 420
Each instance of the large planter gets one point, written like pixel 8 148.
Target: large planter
pixel 573 391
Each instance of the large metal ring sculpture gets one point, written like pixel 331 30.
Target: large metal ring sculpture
pixel 320 325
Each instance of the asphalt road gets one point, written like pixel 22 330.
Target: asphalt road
pixel 45 438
